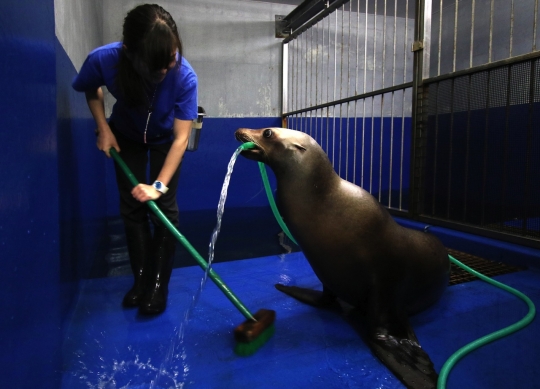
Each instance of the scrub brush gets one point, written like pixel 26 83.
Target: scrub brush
pixel 253 333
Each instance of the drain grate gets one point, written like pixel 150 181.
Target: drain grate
pixel 481 265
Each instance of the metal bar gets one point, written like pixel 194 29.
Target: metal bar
pixel 511 27
pixel 364 92
pixel 383 65
pixel 363 144
pixel 391 151
pixel 481 68
pixel 371 155
pixel 348 93
pixel 478 230
pixel 394 43
pixel 356 88
pixel 317 68
pixel 352 98
pixel 406 42
pixel 374 48
pixel 306 11
pixel 422 18
pixel 341 73
pixel 335 82
pixel 285 78
pixel 327 11
pixel 527 191
pixel 328 89
pixel 490 32
pixel 440 36
pixel 306 82
pixel 506 139
pixel 486 135
pixel 401 152
pixel 473 6
pixel 468 148
pixel 381 149
pixel 311 83
pixel 365 48
pixel 295 75
pixel 394 56
pixel 426 38
pixel 455 35
pixel 451 153
pixel 535 24
pixel 436 148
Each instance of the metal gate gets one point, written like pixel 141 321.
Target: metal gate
pixel 430 105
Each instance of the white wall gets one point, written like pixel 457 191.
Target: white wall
pixel 230 44
pixel 79 27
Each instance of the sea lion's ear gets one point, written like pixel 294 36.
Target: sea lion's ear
pixel 299 147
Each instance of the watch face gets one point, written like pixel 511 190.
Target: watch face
pixel 157 185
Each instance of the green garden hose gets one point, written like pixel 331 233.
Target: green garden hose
pixel 202 263
pixel 278 217
pixel 264 175
pixel 454 358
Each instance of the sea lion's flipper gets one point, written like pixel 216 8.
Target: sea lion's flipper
pixel 316 298
pixel 399 350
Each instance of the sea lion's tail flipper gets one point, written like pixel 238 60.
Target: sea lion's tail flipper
pixel 401 354
pixel 315 298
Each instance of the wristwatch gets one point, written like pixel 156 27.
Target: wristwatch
pixel 160 187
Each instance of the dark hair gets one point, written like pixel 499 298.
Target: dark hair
pixel 150 34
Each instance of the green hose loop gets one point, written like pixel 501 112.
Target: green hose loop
pixel 202 263
pixel 454 358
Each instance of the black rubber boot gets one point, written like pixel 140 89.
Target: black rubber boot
pixel 163 248
pixel 138 237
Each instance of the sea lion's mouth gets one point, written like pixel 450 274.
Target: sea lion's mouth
pixel 255 151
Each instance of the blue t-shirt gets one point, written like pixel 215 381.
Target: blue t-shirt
pixel 175 96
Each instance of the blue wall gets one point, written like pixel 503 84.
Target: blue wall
pixel 29 208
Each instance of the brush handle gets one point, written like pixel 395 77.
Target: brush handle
pixel 200 260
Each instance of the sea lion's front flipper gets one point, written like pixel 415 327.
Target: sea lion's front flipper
pixel 316 298
pixel 399 350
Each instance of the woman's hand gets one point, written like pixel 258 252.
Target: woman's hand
pixel 143 193
pixel 106 140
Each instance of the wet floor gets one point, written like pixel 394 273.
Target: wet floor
pixel 110 347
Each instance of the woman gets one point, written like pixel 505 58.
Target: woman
pixel 156 100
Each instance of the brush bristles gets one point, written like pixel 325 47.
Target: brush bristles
pixel 245 349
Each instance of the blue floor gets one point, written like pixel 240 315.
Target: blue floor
pixel 111 347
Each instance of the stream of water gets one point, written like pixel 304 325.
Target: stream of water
pixel 176 351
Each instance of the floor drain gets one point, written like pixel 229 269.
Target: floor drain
pixel 481 265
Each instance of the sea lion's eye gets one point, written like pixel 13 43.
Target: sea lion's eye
pixel 267 133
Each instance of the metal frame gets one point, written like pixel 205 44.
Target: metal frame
pixel 337 84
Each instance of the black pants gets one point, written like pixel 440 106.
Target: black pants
pixel 138 156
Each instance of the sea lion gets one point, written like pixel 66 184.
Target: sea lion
pixel 373 269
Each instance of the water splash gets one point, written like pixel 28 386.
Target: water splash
pixel 131 369
pixel 176 349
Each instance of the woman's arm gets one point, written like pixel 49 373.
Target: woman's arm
pixel 105 138
pixel 182 129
